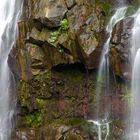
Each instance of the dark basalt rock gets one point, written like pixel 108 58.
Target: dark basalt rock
pixel 121 48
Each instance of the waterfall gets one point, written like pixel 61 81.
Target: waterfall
pixel 10 11
pixel 134 133
pixel 103 79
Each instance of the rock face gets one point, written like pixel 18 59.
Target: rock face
pixel 71 30
pixel 121 48
pixel 55 62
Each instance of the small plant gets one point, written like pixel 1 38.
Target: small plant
pixel 55 35
pixel 34 120
pixel 64 25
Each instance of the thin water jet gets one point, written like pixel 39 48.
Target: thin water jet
pixel 100 125
pixel 10 11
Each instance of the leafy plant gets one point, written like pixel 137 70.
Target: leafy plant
pixel 64 25
pixel 34 120
pixel 55 35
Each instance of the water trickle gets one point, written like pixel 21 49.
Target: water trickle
pixel 10 11
pixel 103 109
pixel 103 73
pixel 134 133
pixel 101 125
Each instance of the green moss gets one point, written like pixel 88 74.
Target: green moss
pixel 43 76
pixel 106 8
pixel 127 97
pixel 40 85
pixel 131 10
pixel 35 91
pixel 24 93
pixel 40 103
pixel 87 127
pixel 73 136
pixel 70 122
pixel 34 120
pixel 74 121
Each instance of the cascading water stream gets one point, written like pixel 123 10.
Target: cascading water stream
pixel 103 111
pixel 103 73
pixel 10 11
pixel 134 133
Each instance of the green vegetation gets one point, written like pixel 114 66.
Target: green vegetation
pixel 72 122
pixel 131 10
pixel 127 97
pixel 64 26
pixel 75 121
pixel 40 102
pixel 54 36
pixel 24 95
pixel 46 75
pixel 34 120
pixel 106 7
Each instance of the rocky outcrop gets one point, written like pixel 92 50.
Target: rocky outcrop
pixel 55 62
pixel 70 30
pixel 120 54
pixel 51 59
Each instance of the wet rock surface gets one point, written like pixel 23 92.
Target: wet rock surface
pixel 55 65
pixel 121 48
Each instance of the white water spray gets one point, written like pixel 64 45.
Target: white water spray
pixel 100 126
pixel 10 11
